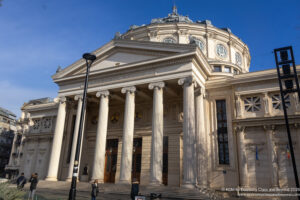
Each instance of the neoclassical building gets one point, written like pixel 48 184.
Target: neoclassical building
pixel 171 102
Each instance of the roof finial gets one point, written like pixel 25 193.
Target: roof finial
pixel 174 9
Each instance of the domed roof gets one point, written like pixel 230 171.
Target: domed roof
pixel 224 51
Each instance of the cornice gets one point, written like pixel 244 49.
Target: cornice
pixel 38 107
pixel 171 58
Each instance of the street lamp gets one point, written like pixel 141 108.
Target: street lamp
pixel 89 59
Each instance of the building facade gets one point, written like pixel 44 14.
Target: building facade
pixel 171 102
pixel 7 132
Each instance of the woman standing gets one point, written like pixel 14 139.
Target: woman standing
pixel 95 189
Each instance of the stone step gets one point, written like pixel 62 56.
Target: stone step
pixel 167 192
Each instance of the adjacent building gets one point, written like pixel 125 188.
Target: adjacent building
pixel 171 102
pixel 7 132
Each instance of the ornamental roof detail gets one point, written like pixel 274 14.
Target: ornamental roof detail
pixel 172 17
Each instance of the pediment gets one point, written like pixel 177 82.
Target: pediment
pixel 120 57
pixel 119 53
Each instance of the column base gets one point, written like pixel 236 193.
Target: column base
pixel 51 179
pixel 155 183
pixel 124 182
pixel 188 185
pixel 68 179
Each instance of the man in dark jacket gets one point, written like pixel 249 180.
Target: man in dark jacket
pixel 33 183
pixel 21 181
pixel 95 189
pixel 134 189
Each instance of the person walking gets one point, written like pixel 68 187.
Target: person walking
pixel 21 181
pixel 95 189
pixel 33 183
pixel 134 188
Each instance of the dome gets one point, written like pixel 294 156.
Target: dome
pixel 225 52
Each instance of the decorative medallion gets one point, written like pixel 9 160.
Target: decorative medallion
pixel 221 50
pixel 115 117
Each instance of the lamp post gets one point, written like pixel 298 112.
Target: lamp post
pixel 89 59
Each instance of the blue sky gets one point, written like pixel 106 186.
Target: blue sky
pixel 39 35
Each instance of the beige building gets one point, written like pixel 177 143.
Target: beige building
pixel 171 102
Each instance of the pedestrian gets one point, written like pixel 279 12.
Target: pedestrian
pixel 134 189
pixel 95 189
pixel 21 181
pixel 33 183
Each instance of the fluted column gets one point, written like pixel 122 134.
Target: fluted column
pixel 201 139
pixel 157 133
pixel 99 155
pixel 243 168
pixel 75 137
pixel 189 135
pixel 126 159
pixel 57 141
pixel 270 130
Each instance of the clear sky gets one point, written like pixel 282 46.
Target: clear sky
pixel 39 35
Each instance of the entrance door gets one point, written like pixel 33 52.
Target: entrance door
pixel 111 160
pixel 136 159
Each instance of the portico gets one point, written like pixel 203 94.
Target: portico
pixel 148 115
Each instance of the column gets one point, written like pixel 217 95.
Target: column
pixel 126 159
pixel 242 156
pixel 57 141
pixel 189 135
pixel 75 137
pixel 157 134
pixel 270 130
pixel 99 156
pixel 201 140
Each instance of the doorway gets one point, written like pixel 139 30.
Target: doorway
pixel 111 160
pixel 136 159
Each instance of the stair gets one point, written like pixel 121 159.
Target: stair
pixel 166 191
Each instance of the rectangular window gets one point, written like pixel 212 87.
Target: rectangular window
pixel 235 71
pixel 217 68
pixel 222 132
pixel 227 69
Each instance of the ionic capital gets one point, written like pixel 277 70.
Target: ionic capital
pixel 130 89
pixel 239 129
pixel 103 93
pixel 269 128
pixel 78 96
pixel 187 81
pixel 158 85
pixel 62 99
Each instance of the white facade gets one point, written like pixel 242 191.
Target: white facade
pixel 152 101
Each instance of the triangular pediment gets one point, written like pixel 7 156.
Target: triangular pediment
pixel 120 56
pixel 120 53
